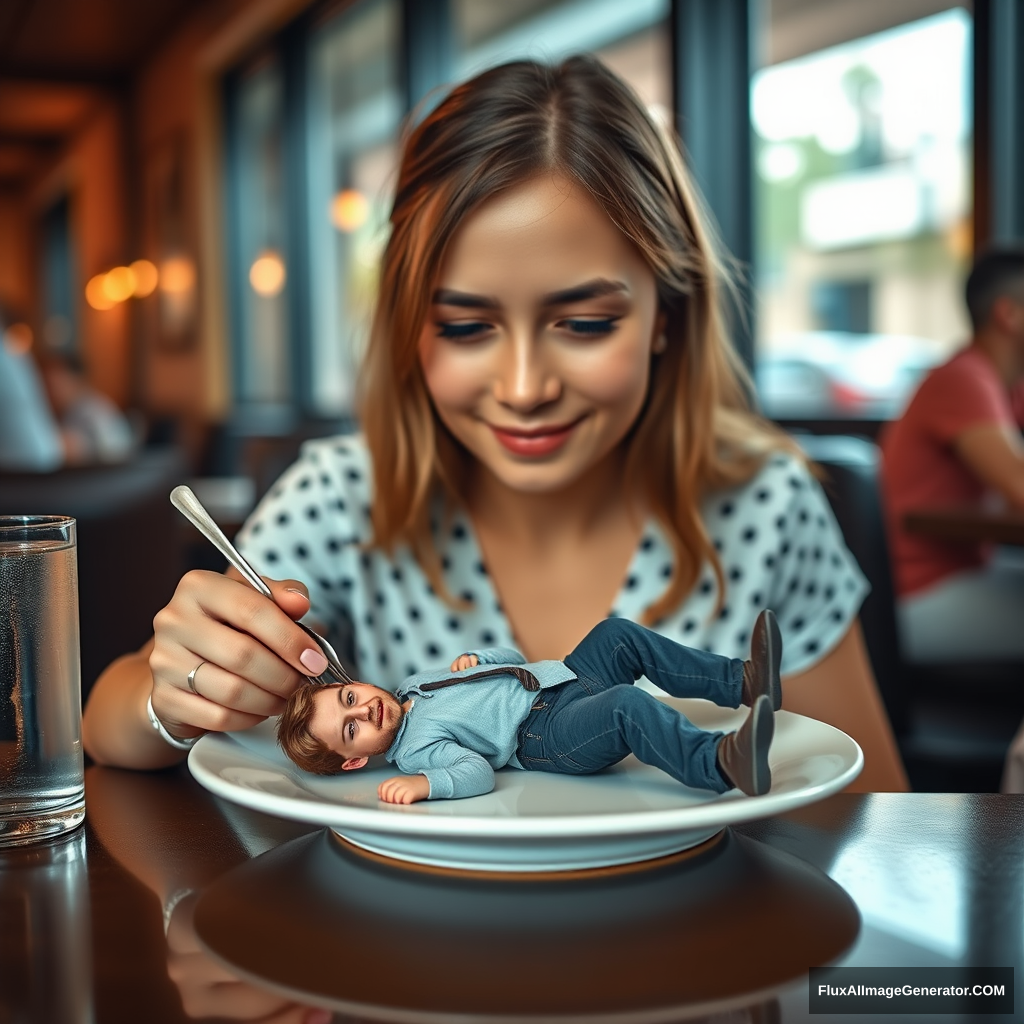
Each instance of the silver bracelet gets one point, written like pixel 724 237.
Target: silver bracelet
pixel 172 904
pixel 164 734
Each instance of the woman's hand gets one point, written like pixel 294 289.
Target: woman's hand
pixel 208 990
pixel 251 654
pixel 404 789
pixel 464 661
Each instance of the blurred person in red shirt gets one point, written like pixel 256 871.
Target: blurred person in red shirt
pixel 959 442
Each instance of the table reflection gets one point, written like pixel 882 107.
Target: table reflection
pixel 45 928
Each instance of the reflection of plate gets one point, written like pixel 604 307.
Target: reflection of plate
pixel 711 931
pixel 532 821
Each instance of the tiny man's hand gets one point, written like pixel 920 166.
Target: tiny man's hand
pixel 404 789
pixel 464 661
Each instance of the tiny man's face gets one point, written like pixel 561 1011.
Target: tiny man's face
pixel 356 720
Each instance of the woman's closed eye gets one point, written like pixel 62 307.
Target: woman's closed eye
pixel 462 330
pixel 473 330
pixel 589 326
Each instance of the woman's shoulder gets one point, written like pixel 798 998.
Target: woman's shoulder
pixel 780 547
pixel 345 457
pixel 327 490
pixel 779 481
pixel 336 471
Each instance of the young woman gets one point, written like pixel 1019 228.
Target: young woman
pixel 556 429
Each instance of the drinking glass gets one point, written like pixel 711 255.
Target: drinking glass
pixel 42 791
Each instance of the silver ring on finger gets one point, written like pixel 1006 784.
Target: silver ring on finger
pixel 192 679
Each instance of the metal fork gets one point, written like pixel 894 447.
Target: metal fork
pixel 184 500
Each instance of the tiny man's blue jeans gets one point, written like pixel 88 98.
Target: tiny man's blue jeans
pixel 600 717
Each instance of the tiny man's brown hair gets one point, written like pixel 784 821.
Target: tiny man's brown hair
pixel 301 746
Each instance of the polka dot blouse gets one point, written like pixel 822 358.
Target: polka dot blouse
pixel 777 540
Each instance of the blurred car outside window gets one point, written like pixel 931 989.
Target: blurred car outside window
pixel 863 209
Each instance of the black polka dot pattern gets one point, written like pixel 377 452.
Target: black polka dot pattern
pixel 775 538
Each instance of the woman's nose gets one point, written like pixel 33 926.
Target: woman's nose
pixel 525 380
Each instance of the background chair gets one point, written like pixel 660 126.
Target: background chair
pixel 129 544
pixel 953 720
pixel 851 484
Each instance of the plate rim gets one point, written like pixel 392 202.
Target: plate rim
pixel 720 812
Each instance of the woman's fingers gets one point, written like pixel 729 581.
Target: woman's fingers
pixel 249 652
pixel 238 605
pixel 232 653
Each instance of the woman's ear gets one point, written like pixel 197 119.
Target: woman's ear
pixel 353 762
pixel 660 340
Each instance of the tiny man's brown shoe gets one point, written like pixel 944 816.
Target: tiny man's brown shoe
pixel 743 755
pixel 761 672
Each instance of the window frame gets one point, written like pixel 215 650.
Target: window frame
pixel 711 66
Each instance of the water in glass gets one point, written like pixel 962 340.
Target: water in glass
pixel 41 769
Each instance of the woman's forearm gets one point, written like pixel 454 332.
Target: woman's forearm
pixel 115 728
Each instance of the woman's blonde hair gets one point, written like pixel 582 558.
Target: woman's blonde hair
pixel 696 432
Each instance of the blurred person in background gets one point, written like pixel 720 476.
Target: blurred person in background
pixel 30 439
pixel 958 443
pixel 92 428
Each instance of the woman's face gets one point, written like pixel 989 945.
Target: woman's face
pixel 537 347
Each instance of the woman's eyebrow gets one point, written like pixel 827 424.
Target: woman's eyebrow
pixel 449 297
pixel 577 293
pixel 581 292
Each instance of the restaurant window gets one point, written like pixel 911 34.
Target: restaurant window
pixel 862 190
pixel 355 111
pixel 59 279
pixel 631 38
pixel 258 235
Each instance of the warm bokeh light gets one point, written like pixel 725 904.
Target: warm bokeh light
pixel 118 284
pixel 177 275
pixel 18 338
pixel 146 278
pixel 267 274
pixel 96 295
pixel 349 210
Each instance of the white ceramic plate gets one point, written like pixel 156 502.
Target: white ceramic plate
pixel 532 821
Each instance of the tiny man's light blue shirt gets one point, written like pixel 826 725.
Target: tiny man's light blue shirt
pixel 457 736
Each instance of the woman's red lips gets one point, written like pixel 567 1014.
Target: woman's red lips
pixel 534 440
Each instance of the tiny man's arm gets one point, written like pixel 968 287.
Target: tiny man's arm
pixel 451 769
pixel 404 789
pixel 498 656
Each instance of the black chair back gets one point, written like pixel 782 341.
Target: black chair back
pixel 851 466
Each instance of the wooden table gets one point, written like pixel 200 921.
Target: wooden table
pixel 967 524
pixel 929 879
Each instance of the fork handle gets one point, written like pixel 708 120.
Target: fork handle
pixel 184 500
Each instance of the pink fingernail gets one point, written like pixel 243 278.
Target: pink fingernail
pixel 313 661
